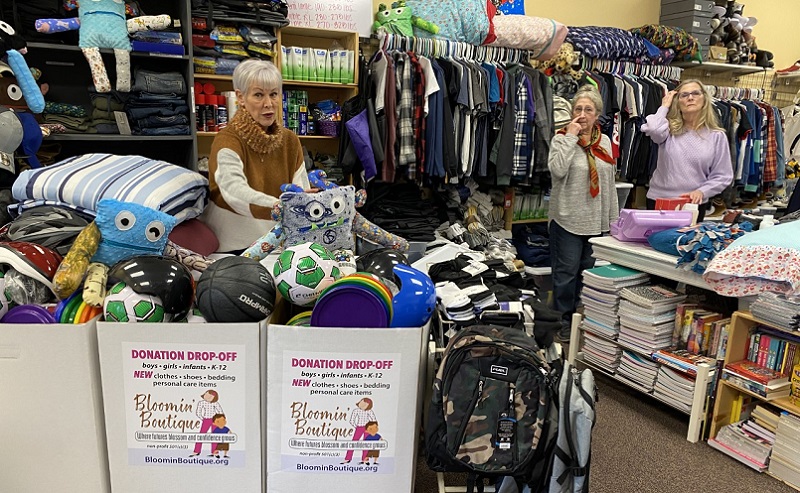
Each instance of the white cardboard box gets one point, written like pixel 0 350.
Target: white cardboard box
pixel 52 409
pixel 316 381
pixel 155 377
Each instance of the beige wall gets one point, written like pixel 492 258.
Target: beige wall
pixel 775 32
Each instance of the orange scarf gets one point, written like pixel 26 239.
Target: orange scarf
pixel 593 149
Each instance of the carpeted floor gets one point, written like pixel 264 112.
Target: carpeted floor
pixel 640 445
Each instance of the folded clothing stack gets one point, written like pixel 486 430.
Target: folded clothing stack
pixel 270 13
pixel 401 209
pixel 168 42
pixel 71 116
pixel 157 105
pixel 103 107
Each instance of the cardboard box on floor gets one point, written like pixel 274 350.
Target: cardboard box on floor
pixel 156 377
pixel 322 386
pixel 53 427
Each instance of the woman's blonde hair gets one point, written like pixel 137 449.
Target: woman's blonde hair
pixel 592 94
pixel 707 118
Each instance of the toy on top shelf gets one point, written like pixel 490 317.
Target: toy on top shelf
pixel 102 24
pixel 399 20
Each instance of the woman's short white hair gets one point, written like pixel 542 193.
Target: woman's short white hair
pixel 256 72
pixel 592 94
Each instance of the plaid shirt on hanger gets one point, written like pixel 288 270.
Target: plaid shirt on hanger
pixel 418 93
pixel 771 151
pixel 406 156
pixel 522 128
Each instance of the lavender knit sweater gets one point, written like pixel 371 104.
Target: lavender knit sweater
pixel 694 160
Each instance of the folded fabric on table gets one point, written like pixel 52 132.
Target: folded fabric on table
pixel 764 260
pixel 71 123
pixel 697 245
pixel 173 130
pixel 83 181
pixel 609 43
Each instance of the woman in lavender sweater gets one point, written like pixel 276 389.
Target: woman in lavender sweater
pixel 694 158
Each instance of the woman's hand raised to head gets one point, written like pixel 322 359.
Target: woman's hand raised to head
pixel 574 128
pixel 666 101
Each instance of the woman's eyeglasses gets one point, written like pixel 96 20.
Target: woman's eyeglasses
pixel 694 94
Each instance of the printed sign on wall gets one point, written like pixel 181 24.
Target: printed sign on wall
pixel 185 404
pixel 339 412
pixel 340 15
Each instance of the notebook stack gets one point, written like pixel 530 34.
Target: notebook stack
pixel 601 352
pixel 638 369
pixel 738 440
pixel 785 461
pixel 676 387
pixel 647 317
pixel 600 297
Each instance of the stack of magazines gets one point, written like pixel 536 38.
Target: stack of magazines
pixel 785 461
pixel 677 387
pixel 600 297
pixel 746 442
pixel 638 369
pixel 647 317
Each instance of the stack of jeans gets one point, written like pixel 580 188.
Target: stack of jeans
pixel 157 105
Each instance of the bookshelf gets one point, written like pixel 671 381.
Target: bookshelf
pixel 727 392
pixel 697 414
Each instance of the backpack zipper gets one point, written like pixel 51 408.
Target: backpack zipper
pixel 472 407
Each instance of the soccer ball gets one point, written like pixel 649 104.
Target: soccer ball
pixel 303 271
pixel 123 304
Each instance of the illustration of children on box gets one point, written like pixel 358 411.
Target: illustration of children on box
pixel 371 431
pixel 219 427
pixel 360 416
pixel 206 410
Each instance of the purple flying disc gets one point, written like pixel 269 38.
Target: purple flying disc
pixel 28 314
pixel 335 309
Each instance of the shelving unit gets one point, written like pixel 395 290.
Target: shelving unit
pixel 317 91
pixel 718 68
pixel 697 415
pixel 67 69
pixel 738 339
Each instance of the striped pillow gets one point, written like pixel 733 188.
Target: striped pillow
pixel 81 182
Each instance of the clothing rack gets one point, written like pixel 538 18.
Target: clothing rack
pixel 431 47
pixel 723 92
pixel 631 68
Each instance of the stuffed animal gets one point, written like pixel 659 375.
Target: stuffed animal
pixel 327 217
pixel 14 46
pixel 102 24
pixel 399 20
pixel 121 230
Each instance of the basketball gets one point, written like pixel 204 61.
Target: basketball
pixel 235 289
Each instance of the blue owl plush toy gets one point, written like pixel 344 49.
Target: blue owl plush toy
pixel 121 230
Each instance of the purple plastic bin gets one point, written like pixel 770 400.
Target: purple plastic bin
pixel 637 225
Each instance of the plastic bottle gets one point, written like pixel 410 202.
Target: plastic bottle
pixel 222 112
pixel 211 113
pixel 767 222
pixel 200 112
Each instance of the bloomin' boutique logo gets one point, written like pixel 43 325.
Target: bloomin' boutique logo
pixel 165 415
pixel 320 423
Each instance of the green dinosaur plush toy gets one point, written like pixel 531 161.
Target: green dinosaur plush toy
pixel 399 20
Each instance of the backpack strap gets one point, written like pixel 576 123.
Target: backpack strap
pixel 570 457
pixel 474 480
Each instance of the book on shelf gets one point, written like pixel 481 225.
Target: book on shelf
pixel 729 451
pixel 682 359
pixel 680 312
pixel 785 461
pixel 774 350
pixel 613 274
pixel 768 392
pixel 648 295
pixel 765 417
pixel 745 446
pixel 719 341
pixel 752 371
pixel 752 427
pixel 631 307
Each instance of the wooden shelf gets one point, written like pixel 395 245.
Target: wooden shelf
pixel 781 402
pixel 716 68
pixel 326 85
pixel 213 77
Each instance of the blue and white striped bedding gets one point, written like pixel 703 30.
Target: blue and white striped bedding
pixel 82 181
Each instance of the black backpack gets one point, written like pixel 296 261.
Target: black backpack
pixel 493 411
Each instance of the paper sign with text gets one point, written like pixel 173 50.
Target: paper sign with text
pixel 340 15
pixel 185 404
pixel 339 412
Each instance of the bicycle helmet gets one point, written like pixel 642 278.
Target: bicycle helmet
pixel 159 276
pixel 30 259
pixel 416 300
pixel 380 262
pixel 49 226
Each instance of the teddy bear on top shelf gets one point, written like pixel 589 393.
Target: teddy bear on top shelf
pixel 735 32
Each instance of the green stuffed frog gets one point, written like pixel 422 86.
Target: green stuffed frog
pixel 399 20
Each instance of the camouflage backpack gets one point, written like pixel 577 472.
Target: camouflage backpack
pixel 493 411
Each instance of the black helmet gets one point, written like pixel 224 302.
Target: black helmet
pixel 48 226
pixel 160 276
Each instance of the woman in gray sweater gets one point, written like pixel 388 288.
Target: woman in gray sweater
pixel 583 199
